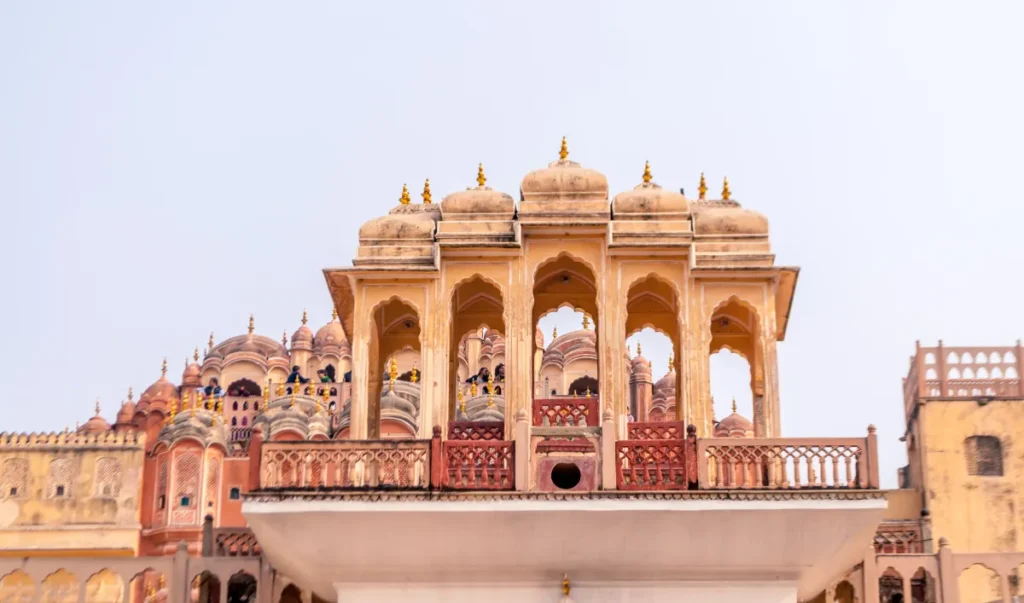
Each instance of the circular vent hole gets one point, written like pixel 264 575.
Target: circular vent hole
pixel 565 476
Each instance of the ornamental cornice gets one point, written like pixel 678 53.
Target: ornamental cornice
pixel 327 494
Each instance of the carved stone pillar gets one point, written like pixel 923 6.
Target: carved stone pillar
pixel 772 418
pixel 698 379
pixel 358 412
pixel 431 347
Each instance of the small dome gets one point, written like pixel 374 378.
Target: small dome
pixel 734 426
pixel 161 391
pixel 190 377
pixel 126 413
pixel 640 365
pixel 564 180
pixel 331 334
pixel 406 221
pixel 725 220
pixel 302 339
pixel 666 383
pixel 96 424
pixel 480 203
pixel 649 201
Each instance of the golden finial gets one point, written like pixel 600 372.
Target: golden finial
pixel 414 378
pixel 405 199
pixel 210 341
pixel 97 407
pixel 163 368
pixel 334 314
pixel 195 354
pixel 266 393
pixel 472 389
pixel 563 153
pixel 295 390
pixel 252 324
pixel 304 316
pixel 319 407
pixel 703 188
pixel 588 395
pixel 554 333
pixel 284 338
pixel 280 390
pixel 574 394
pixel 392 374
pixel 161 582
pixel 734 405
pixel 325 393
pixel 647 172
pixel 565 585
pixel 462 402
pixel 171 411
pixel 586 322
pixel 130 394
pixel 480 178
pixel 639 349
pixel 629 350
pixel 726 193
pixel 671 360
pixel 490 389
pixel 220 406
pixel 426 192
pixel 150 592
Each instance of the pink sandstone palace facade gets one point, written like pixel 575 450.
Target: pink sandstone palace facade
pixel 428 444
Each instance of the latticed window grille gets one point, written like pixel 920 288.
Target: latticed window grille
pixel 108 477
pixel 984 455
pixel 14 478
pixel 61 473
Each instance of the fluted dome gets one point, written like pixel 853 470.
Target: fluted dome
pixel 161 391
pixel 125 414
pixel 250 343
pixel 480 203
pixel 726 217
pixel 668 382
pixel 648 201
pixel 407 221
pixel 564 180
pixel 734 426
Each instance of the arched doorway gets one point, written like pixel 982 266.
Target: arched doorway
pixel 476 346
pixel 395 326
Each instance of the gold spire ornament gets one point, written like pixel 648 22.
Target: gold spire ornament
pixel 210 342
pixel 163 369
pixel 171 411
pixel 280 390
pixel 295 390
pixel 639 349
pixel 671 361
pixel 304 319
pixel 565 585
pixel 252 324
pixel 334 314
pixel 586 322
pixel 726 193
pixel 414 377
pixel 426 192
pixel 490 390
pixel 405 199
pixel 392 374
pixel 647 172
pixel 97 407
pixel 554 333
pixel 629 350
pixel 588 394
pixel 563 153
pixel 734 406
pixel 462 402
pixel 130 394
pixel 481 180
pixel 472 389
pixel 195 354
pixel 266 394
pixel 703 188
pixel 284 338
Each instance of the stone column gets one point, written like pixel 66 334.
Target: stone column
pixel 772 415
pixel 640 386
pixel 359 407
pixel 430 348
pixel 697 409
pixel 518 315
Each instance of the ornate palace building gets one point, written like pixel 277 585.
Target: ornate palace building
pixel 428 444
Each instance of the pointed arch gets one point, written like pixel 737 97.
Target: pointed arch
pixel 394 326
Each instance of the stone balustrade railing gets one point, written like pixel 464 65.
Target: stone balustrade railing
pixel 346 464
pixel 478 465
pixel 785 463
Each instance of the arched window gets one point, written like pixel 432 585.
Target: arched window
pixel 929 358
pixel 984 455
pixel 245 421
pixel 234 421
pixel 108 477
pixel 245 406
pixel 255 405
pixel 234 406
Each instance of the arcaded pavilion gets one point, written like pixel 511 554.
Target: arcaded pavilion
pixel 429 443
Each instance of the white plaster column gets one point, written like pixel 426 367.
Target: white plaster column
pixel 431 346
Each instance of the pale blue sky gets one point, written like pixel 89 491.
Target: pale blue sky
pixel 167 169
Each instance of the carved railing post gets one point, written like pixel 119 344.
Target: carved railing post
pixel 522 449
pixel 871 455
pixel 608 452
pixel 949 580
pixel 435 458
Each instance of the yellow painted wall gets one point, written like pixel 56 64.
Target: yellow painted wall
pixel 976 513
pixel 85 518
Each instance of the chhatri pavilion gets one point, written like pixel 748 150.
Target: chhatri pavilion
pixel 429 443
